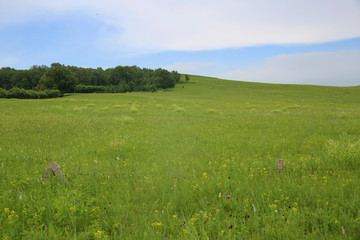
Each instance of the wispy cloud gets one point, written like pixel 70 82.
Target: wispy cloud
pixel 158 25
pixel 320 68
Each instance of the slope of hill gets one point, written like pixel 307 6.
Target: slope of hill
pixel 195 162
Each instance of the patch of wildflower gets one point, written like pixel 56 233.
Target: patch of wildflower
pixel 10 215
pixel 100 234
pixel 156 224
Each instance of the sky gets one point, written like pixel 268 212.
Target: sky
pixel 280 41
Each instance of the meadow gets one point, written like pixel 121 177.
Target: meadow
pixel 195 162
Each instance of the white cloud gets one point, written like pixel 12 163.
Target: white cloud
pixel 14 12
pixel 157 25
pixel 319 68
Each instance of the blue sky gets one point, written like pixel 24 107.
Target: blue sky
pixel 299 41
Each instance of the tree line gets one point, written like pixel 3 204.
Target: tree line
pixel 38 81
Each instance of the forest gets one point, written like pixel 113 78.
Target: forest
pixel 43 81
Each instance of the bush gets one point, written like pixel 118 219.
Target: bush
pixel 3 93
pixel 29 94
pixel 18 93
pixel 121 88
pixel 53 93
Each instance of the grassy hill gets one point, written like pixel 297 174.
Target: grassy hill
pixel 195 162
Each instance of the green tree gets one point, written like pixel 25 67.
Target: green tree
pixel 176 76
pixel 164 79
pixel 55 65
pixel 100 77
pixel 34 74
pixel 60 78
pixel 116 75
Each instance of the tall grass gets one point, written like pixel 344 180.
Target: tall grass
pixel 197 162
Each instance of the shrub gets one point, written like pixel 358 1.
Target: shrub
pixel 18 93
pixel 117 88
pixel 53 93
pixel 29 94
pixel 3 93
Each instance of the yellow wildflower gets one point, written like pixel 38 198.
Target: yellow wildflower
pixel 98 234
pixel 156 224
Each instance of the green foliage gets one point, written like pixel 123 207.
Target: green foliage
pixel 7 76
pixel 65 78
pixel 148 165
pixel 89 89
pixel 176 76
pixel 50 94
pixel 26 79
pixel 59 77
pixel 121 88
pixel 3 93
pixel 20 93
pixel 164 79
pixel 29 94
pixel 148 88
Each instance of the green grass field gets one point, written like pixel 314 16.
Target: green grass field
pixel 195 162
